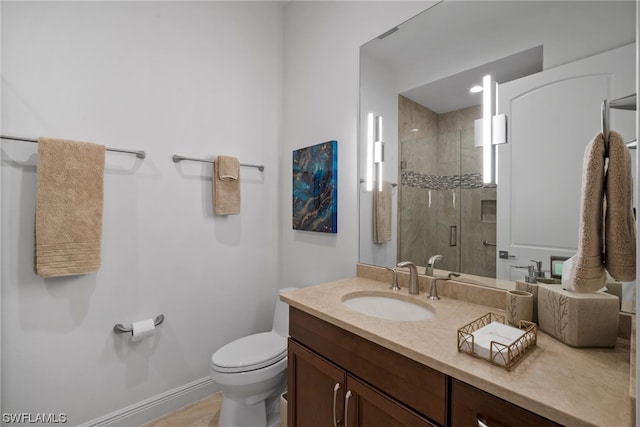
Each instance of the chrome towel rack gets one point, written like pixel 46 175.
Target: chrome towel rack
pixel 628 102
pixel 120 329
pixel 139 154
pixel 176 158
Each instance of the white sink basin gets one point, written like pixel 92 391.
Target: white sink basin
pixel 385 306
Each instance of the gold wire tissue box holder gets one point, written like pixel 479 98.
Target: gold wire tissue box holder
pixel 505 353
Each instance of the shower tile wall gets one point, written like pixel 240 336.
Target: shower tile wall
pixel 440 157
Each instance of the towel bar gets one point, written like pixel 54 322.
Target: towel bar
pixel 120 329
pixel 393 184
pixel 625 103
pixel 176 158
pixel 139 154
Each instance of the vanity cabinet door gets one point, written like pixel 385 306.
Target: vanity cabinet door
pixel 417 386
pixel 316 390
pixel 367 407
pixel 471 407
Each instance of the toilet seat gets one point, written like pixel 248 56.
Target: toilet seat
pixel 250 353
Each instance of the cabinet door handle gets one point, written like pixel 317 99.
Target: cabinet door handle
pixel 346 406
pixel 481 422
pixel 335 398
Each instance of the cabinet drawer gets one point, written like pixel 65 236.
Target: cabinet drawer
pixel 469 404
pixel 419 387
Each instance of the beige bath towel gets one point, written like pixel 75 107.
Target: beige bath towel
pixel 382 213
pixel 589 273
pixel 226 188
pixel 620 224
pixel 68 223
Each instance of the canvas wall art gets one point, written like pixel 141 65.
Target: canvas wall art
pixel 315 188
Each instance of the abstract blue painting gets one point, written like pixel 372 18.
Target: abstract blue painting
pixel 315 188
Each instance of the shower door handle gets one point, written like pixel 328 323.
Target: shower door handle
pixel 453 235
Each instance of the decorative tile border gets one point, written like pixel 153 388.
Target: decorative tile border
pixel 470 181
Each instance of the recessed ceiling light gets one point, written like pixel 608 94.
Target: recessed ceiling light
pixel 476 89
pixel 414 130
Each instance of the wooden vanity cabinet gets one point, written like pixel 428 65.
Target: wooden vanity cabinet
pixel 326 363
pixel 387 389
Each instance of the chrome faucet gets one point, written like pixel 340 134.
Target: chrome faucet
pixel 413 276
pixel 538 268
pixel 431 263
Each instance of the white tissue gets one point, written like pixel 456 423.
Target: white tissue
pixel 495 331
pixel 143 329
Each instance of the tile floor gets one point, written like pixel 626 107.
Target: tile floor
pixel 203 413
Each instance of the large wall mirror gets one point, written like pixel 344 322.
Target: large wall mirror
pixel 551 66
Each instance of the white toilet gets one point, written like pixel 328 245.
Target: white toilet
pixel 251 372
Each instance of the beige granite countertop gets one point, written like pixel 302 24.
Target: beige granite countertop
pixel 574 387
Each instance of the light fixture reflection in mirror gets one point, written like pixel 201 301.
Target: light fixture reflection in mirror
pixel 488 150
pixel 378 151
pixel 375 151
pixel 370 136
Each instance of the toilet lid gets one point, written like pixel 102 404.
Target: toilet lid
pixel 250 353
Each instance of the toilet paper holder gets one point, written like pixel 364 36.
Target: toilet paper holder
pixel 120 329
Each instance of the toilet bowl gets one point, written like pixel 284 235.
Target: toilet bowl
pixel 251 372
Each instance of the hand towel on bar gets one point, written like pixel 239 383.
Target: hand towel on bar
pixel 620 224
pixel 226 189
pixel 228 168
pixel 382 213
pixel 589 273
pixel 69 201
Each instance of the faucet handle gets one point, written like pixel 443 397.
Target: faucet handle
pixel 394 280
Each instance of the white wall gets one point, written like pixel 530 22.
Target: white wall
pixel 193 78
pixel 321 74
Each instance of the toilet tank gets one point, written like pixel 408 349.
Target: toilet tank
pixel 281 315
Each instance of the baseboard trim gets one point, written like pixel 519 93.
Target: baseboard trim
pixel 156 406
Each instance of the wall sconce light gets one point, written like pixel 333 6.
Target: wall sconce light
pixel 375 151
